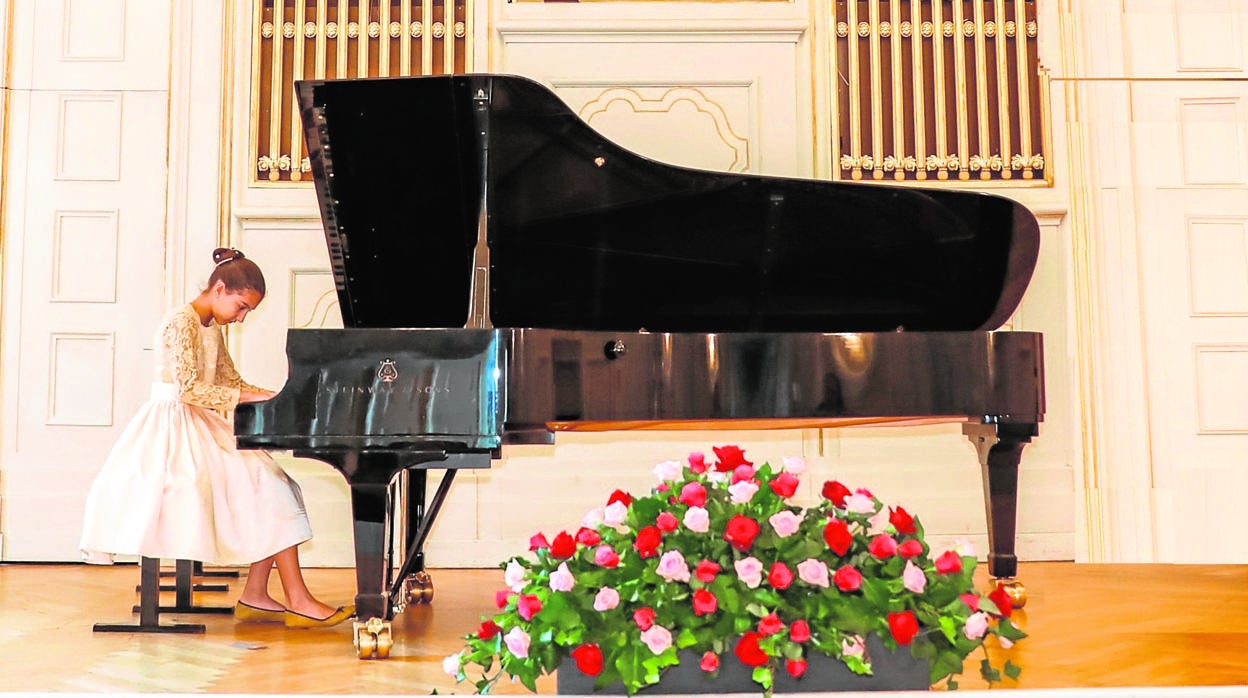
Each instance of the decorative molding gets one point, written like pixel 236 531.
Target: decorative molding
pixel 83 255
pixel 93 30
pixel 1227 416
pixel 80 379
pixel 88 136
pixel 1223 266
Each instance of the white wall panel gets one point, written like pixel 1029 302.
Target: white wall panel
pixel 1218 265
pixel 1212 141
pixel 88 138
pixel 80 379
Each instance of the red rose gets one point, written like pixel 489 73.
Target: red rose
pixel 784 484
pixel 697 463
pixel 795 667
pixel 838 537
pixel 901 520
pixel 770 624
pixel 1002 600
pixel 799 631
pixel 709 663
pixel 949 563
pixel 748 651
pixel 740 532
pixel 971 600
pixel 588 536
pixel 502 596
pixel 647 543
pixel 910 548
pixel 693 494
pixel 528 605
pixel 666 522
pixel 620 496
pixel 644 617
pixel 563 546
pixel 706 571
pixel 488 630
pixel 780 576
pixel 904 626
pixel 729 458
pixel 588 659
pixel 704 602
pixel 538 541
pixel 882 546
pixel 836 493
pixel 847 578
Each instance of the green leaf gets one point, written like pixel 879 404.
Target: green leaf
pixel 1012 670
pixel 989 672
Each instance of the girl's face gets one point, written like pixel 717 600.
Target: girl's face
pixel 233 306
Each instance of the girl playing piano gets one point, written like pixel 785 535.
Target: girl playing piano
pixel 175 486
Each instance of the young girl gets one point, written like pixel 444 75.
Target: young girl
pixel 175 485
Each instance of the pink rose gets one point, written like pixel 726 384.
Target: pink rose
pixel 527 605
pixel 693 494
pixel 513 576
pixel 666 522
pixel 562 579
pixel 742 472
pixel 605 556
pixel 709 663
pixel 742 492
pixel 644 617
pixel 858 503
pixel 785 523
pixel 910 548
pixel 587 536
pixel 853 646
pixel 606 599
pixel 770 624
pixel 538 541
pixel 657 638
pixel 749 571
pixel 794 464
pixel 517 642
pixel 672 567
pixel 697 462
pixel 697 520
pixel 669 470
pixel 813 572
pixel 976 626
pixel 615 513
pixel 912 578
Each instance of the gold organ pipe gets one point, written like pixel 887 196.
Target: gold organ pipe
pixel 916 62
pixel 321 13
pixel 899 97
pixel 296 73
pixel 470 28
pixel 938 90
pixel 426 38
pixel 340 43
pixel 855 98
pixel 959 78
pixel 361 67
pixel 448 37
pixel 1024 92
pixel 1003 87
pixel 405 39
pixel 981 90
pixel 275 98
pixel 383 40
pixel 877 92
pixel 257 47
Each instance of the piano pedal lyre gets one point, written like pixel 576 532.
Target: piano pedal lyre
pixel 418 588
pixel 373 639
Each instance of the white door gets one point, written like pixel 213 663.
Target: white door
pixel 1192 172
pixel 84 192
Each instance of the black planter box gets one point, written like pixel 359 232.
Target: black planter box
pixel 893 671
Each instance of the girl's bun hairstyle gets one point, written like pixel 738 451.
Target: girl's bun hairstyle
pixel 236 271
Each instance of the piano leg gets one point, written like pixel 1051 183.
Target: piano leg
pixel 1000 447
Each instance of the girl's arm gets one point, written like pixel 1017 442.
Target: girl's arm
pixel 180 337
pixel 228 375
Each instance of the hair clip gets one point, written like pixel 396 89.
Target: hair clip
pixel 237 255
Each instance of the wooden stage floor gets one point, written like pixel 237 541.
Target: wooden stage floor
pixel 1089 625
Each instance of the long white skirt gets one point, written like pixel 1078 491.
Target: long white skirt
pixel 175 486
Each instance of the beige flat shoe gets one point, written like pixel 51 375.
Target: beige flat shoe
pixel 298 620
pixel 250 614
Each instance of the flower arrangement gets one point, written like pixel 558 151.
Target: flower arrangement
pixel 719 561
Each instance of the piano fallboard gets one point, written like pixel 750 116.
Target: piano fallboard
pixel 476 389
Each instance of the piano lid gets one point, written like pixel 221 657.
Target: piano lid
pixel 585 235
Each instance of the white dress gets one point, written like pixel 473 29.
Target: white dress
pixel 174 485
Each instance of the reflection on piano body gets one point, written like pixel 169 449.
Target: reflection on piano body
pixel 505 272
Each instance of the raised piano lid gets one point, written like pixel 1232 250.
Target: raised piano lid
pixel 586 235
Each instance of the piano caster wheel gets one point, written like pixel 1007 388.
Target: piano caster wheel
pixel 420 588
pixel 1013 589
pixel 373 638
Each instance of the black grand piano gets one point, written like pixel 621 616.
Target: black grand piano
pixel 504 272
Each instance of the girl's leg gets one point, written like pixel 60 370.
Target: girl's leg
pixel 256 589
pixel 298 598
